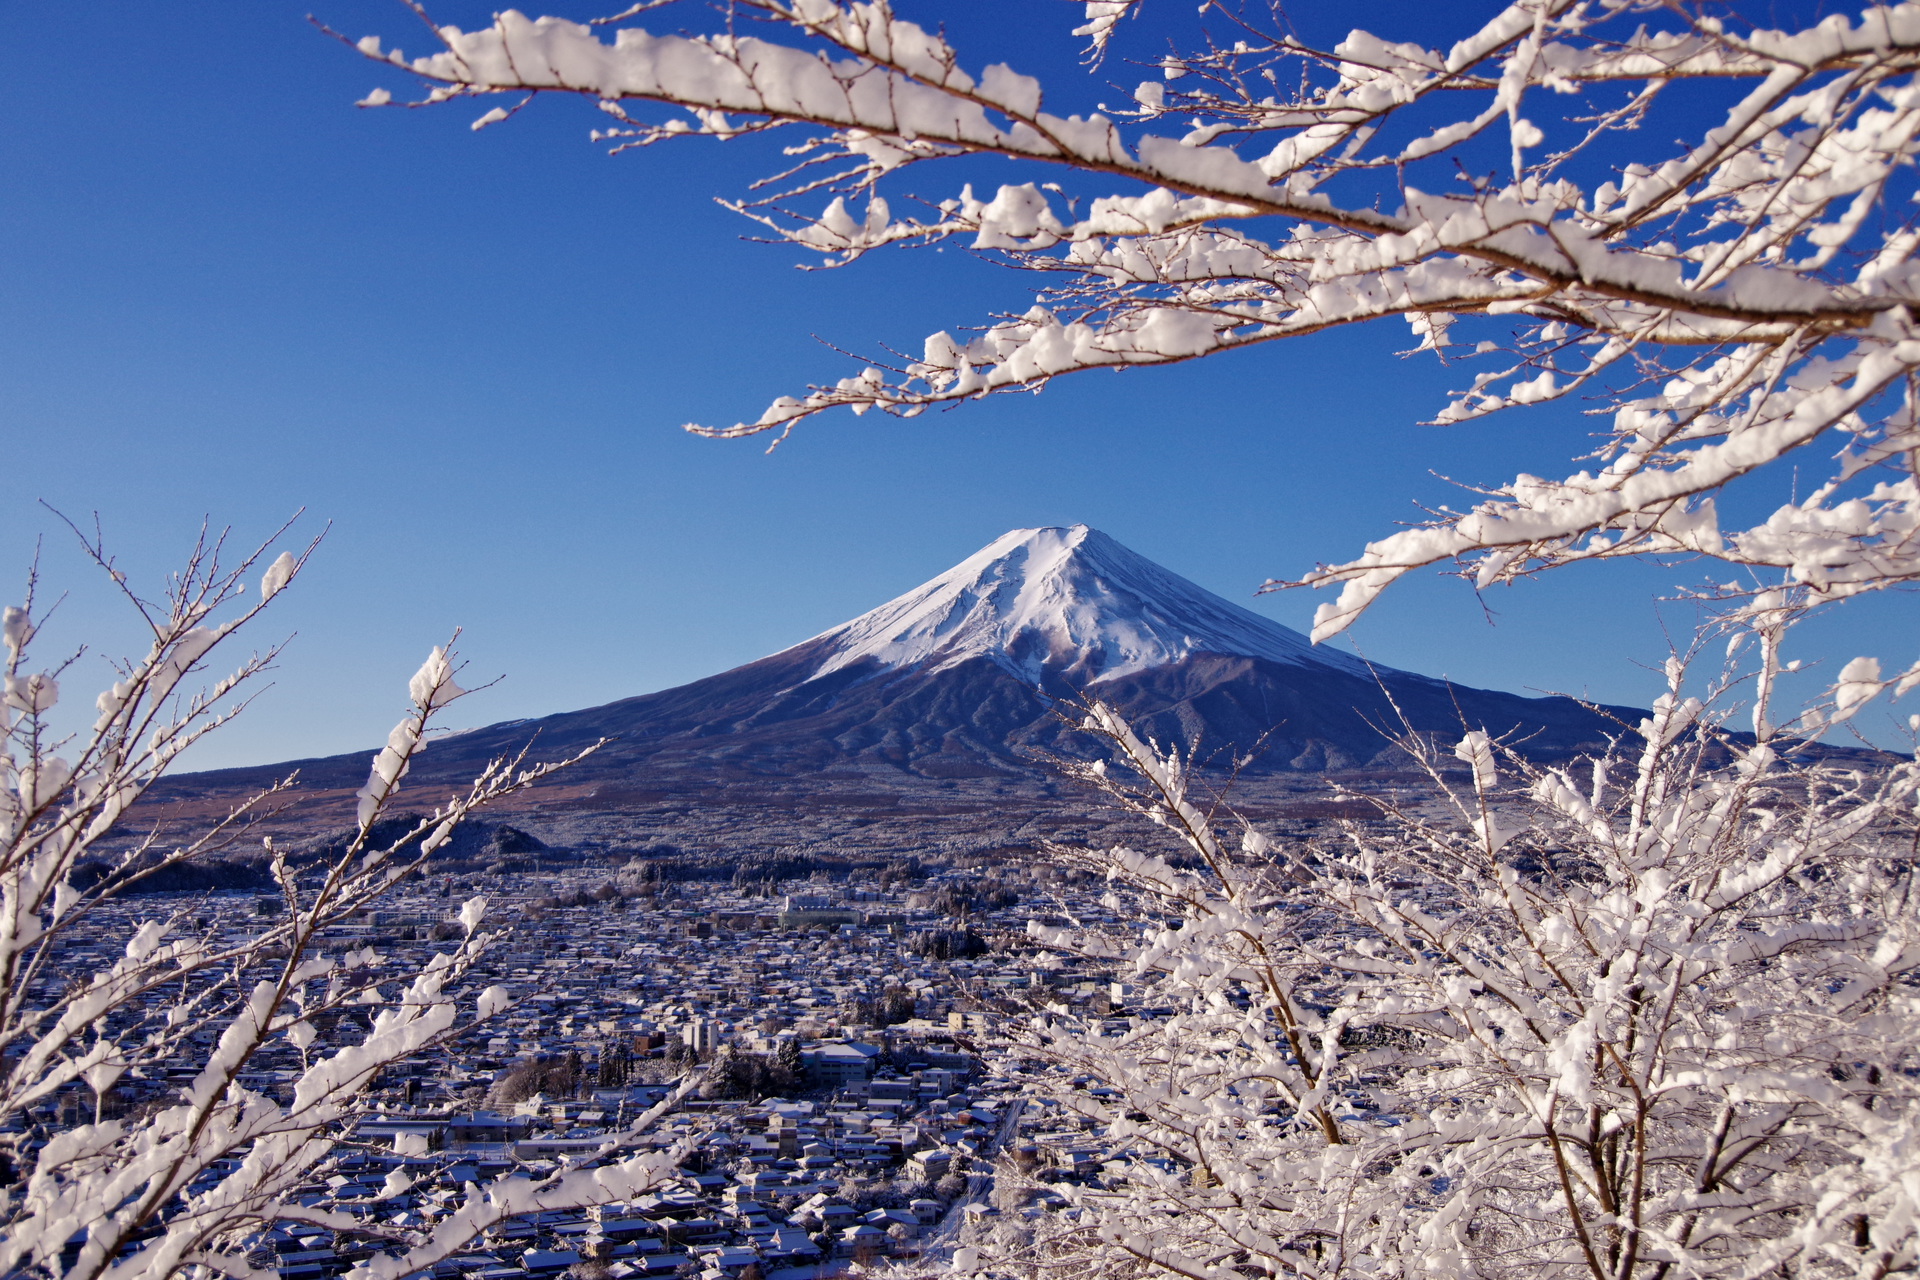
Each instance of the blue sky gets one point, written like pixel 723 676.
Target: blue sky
pixel 225 292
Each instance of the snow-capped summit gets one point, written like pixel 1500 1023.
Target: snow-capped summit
pixel 1069 602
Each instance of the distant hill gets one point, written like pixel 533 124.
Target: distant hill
pixel 476 844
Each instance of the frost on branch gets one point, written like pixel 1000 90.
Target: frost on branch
pixel 182 1186
pixel 1725 301
pixel 1643 1016
pixel 431 688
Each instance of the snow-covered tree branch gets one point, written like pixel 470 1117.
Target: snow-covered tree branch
pixel 1740 297
pixel 1648 1018
pixel 182 1186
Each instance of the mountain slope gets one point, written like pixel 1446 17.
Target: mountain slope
pixel 962 676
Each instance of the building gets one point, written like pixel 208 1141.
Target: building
pixel 836 1063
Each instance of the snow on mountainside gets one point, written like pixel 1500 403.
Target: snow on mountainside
pixel 962 677
pixel 1069 602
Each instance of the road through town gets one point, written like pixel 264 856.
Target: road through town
pixel 941 1242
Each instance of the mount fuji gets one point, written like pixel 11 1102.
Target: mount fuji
pixel 960 678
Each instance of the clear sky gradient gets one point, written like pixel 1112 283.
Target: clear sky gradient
pixel 225 292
